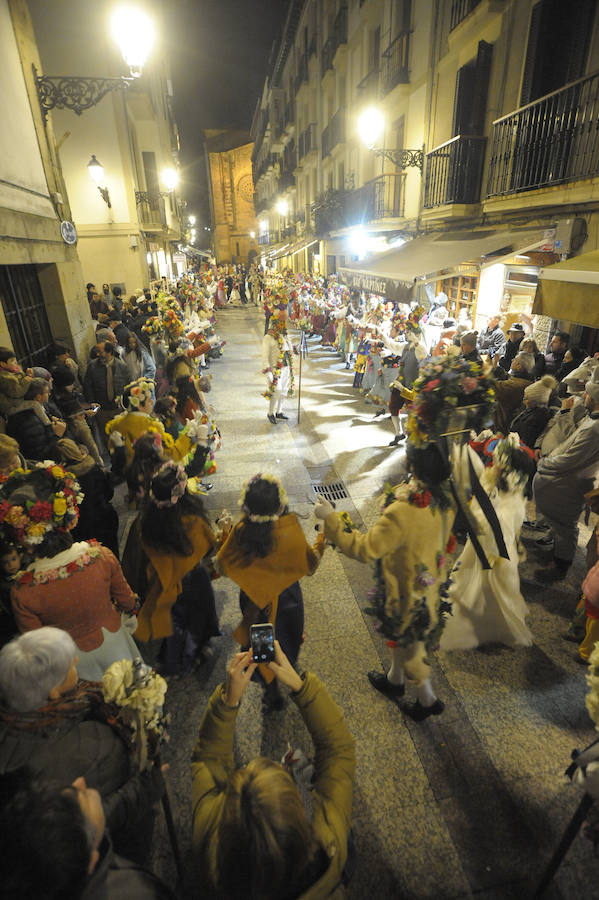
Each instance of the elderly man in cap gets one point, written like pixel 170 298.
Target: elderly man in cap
pixel 515 336
pixel 562 480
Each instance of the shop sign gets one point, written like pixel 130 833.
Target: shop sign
pixel 386 287
pixel 68 232
pixel 179 258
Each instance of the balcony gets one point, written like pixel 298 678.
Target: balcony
pixel 395 63
pixel 263 238
pixel 151 211
pixel 286 180
pixel 302 72
pixel 289 115
pixel 459 10
pixel 454 171
pixel 263 165
pixel 381 198
pixel 307 141
pixel 334 133
pixel 551 141
pixel 368 88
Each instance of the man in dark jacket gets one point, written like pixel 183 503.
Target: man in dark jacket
pixel 104 381
pixel 515 336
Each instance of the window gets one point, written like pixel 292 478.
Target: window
pixel 472 85
pixel 23 304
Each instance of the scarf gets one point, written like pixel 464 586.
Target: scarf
pixel 85 698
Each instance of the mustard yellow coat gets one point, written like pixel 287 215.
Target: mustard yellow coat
pixel 132 425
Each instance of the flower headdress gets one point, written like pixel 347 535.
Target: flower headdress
pixel 498 452
pixel 172 323
pixel 452 395
pixel 254 517
pixel 137 392
pixel 178 488
pixel 153 327
pixel 34 502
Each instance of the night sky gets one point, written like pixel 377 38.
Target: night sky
pixel 220 51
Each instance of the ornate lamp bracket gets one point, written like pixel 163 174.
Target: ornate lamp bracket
pixel 403 159
pixel 74 92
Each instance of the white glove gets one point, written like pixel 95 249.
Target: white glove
pixel 116 439
pixel 196 431
pixel 322 509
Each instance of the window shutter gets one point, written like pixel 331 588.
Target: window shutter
pixel 481 87
pixel 464 98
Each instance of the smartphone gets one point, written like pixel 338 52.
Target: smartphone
pixel 262 638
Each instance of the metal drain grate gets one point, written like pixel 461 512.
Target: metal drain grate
pixel 333 491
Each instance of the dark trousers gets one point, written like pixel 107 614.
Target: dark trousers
pixel 194 622
pixel 289 624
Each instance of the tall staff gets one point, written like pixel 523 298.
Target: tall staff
pixel 303 353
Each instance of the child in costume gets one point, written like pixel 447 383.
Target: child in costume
pixel 266 554
pixel 179 601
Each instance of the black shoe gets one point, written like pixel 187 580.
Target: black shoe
pixel 534 526
pixel 573 637
pixel 381 683
pixel 419 713
pixel 206 485
pixel 394 442
pixel 271 419
pixel 281 416
pixel 380 412
pixel 347 365
pixel 578 658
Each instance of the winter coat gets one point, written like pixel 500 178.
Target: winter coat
pixel 560 427
pixel 83 744
pixel 508 397
pixel 13 387
pixel 31 428
pixel 94 383
pixel 510 350
pixel 212 765
pixel 97 516
pixel 492 341
pixel 529 423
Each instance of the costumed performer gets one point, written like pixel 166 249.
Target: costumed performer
pixel 408 545
pixel 266 554
pixel 78 587
pixel 138 400
pixel 179 601
pixel 277 364
pixel 487 605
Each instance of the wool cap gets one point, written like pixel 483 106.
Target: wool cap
pixel 540 391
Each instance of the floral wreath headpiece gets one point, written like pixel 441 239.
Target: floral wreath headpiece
pixel 137 392
pixel 178 488
pixel 498 451
pixel 28 521
pixel 254 517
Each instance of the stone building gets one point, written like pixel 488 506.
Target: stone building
pixel 234 225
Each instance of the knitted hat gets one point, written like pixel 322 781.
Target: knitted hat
pixel 63 376
pixel 540 391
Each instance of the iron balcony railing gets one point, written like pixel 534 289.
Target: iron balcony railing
pixel 263 237
pixel 395 63
pixel 151 209
pixel 368 88
pixel 334 133
pixel 454 171
pixel 381 198
pixel 307 141
pixel 550 141
pixel 289 115
pixel 459 10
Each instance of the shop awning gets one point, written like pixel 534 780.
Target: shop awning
pixel 394 273
pixel 570 290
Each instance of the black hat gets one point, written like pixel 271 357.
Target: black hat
pixel 517 326
pixel 63 376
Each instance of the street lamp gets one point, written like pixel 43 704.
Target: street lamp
pixel 96 173
pixel 133 30
pixel 192 220
pixel 170 179
pixel 282 207
pixel 371 128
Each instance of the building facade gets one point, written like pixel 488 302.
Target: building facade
pixel 487 164
pixel 234 225
pixel 129 240
pixel 42 293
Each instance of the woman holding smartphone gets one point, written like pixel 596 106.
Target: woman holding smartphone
pixel 250 830
pixel 266 554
